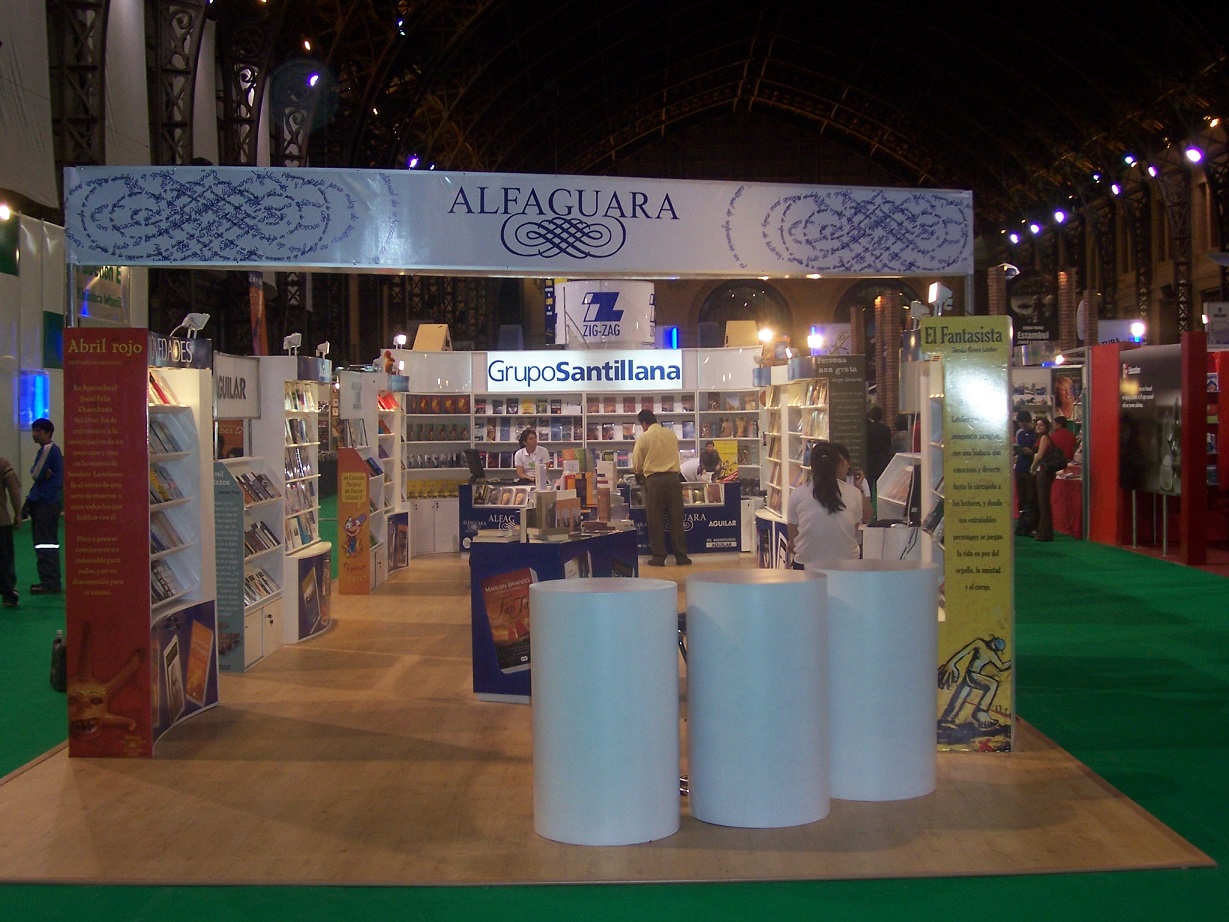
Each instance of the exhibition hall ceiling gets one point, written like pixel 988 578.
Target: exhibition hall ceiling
pixel 1020 103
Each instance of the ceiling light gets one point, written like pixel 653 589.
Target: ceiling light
pixel 1152 171
pixel 1013 237
pixel 1194 154
pixel 1128 160
pixel 307 44
pixel 411 161
pixel 5 212
pixel 813 275
pixel 1060 216
pixel 1116 189
pixel 313 79
pixel 1035 228
pixel 766 335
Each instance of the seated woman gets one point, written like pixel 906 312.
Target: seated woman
pixel 529 457
pixel 823 517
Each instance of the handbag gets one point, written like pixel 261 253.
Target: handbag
pixel 1054 460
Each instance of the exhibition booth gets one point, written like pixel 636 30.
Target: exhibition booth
pixel 509 225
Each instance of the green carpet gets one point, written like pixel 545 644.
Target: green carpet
pixel 1121 659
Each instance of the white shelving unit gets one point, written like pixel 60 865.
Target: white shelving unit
pixel 931 383
pixel 293 391
pixel 359 427
pixel 246 490
pixel 794 418
pixel 181 491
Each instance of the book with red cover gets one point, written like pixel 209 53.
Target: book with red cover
pixel 505 597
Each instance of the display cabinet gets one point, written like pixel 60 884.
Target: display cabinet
pixel 249 521
pixel 358 426
pixel 295 393
pixel 795 417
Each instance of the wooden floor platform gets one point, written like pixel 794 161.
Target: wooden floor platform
pixel 362 757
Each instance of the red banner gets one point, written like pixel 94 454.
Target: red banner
pixel 106 526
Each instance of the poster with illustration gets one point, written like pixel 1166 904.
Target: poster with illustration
pixel 1150 406
pixel 1032 303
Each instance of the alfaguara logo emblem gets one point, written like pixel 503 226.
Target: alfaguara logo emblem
pixel 578 223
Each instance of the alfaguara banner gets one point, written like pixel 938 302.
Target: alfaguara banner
pixel 976 704
pixel 508 224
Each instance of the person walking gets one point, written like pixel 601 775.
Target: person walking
pixel 43 504
pixel 655 459
pixel 10 486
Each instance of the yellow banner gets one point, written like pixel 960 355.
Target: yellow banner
pixel 976 700
pixel 354 538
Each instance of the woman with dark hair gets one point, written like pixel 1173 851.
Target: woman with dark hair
pixel 1044 479
pixel 529 457
pixel 823 519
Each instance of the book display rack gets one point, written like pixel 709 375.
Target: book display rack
pixel 295 392
pixel 250 516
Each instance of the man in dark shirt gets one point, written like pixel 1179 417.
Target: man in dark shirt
pixel 878 445
pixel 1026 485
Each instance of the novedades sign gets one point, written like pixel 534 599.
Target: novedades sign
pixel 643 369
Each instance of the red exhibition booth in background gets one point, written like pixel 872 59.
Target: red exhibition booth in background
pixel 1196 512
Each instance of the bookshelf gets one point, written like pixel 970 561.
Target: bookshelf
pixel 359 429
pixel 558 419
pixel 932 511
pixel 182 555
pixel 294 392
pixel 794 418
pixel 249 515
pixel 178 497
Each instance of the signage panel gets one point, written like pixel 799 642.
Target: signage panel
pixel 606 369
pixel 508 223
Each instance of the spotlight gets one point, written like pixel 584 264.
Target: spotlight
pixel 322 350
pixel 1152 171
pixel 292 342
pixel 1194 154
pixel 1137 330
pixel 940 296
pixel 1128 160
pixel 766 335
pixel 1116 189
pixel 191 324
pixel 1060 216
pixel 1013 237
pixel 1035 228
pixel 399 340
pixel 313 79
pixel 1009 271
pixel 5 212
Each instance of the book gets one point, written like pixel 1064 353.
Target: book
pixel 505 598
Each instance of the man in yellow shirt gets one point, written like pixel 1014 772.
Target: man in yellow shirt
pixel 655 460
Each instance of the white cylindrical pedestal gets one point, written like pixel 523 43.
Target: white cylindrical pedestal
pixel 756 697
pixel 605 710
pixel 883 650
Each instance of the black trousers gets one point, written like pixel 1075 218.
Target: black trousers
pixel 663 506
pixel 45 524
pixel 8 566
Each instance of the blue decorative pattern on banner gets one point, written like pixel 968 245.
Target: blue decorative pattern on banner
pixel 871 231
pixel 270 215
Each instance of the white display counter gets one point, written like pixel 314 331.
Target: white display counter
pixel 605 710
pixel 757 697
pixel 883 643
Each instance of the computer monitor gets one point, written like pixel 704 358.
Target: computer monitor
pixel 474 462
